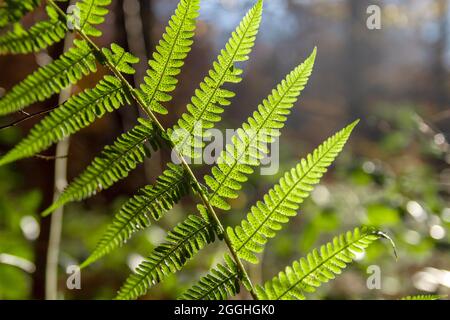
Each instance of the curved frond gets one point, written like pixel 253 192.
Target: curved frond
pixel 169 57
pixel 424 297
pixel 319 266
pixel 206 105
pixel 76 113
pixel 181 244
pixel 113 164
pixel 50 79
pixel 220 283
pixel 151 203
pixel 249 145
pixel 92 13
pixel 283 200
pixel 41 35
pixel 121 59
pixel 13 10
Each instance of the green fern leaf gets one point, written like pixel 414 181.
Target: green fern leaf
pixel 92 13
pixel 221 282
pixel 181 244
pixel 424 297
pixel 113 164
pixel 283 200
pixel 76 113
pixel 40 36
pixel 318 267
pixel 121 59
pixel 136 214
pixel 169 57
pixel 13 10
pixel 206 105
pixel 250 144
pixel 51 79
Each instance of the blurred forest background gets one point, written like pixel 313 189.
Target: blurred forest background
pixel 394 173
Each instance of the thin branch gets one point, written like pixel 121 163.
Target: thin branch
pixel 29 116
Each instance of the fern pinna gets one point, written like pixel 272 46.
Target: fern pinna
pixel 235 163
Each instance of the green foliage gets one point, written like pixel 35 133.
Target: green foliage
pixel 38 37
pixel 51 79
pixel 92 13
pixel 13 10
pixel 221 282
pixel 76 113
pixel 282 201
pixel 169 57
pixel 205 107
pixel 121 59
pixel 424 297
pixel 250 144
pixel 113 164
pixel 181 244
pixel 151 202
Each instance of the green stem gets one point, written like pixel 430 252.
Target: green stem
pixel 151 115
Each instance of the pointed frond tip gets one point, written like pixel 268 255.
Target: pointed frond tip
pixel 168 59
pixel 220 283
pixel 281 202
pixel 50 79
pixel 251 142
pixel 206 106
pixel 319 266
pixel 181 245
pixel 113 164
pixel 151 203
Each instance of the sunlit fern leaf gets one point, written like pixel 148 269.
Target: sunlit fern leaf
pixel 113 164
pixel 186 239
pixel 220 283
pixel 121 59
pixel 283 200
pixel 92 13
pixel 425 297
pixel 319 266
pixel 41 35
pixel 76 113
pixel 13 10
pixel 169 57
pixel 48 80
pixel 206 105
pixel 151 203
pixel 250 144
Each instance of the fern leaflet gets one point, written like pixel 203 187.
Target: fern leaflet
pixel 282 201
pixel 51 79
pixel 113 164
pixel 249 145
pixel 150 203
pixel 221 282
pixel 205 108
pixel 424 297
pixel 169 57
pixel 41 35
pixel 92 13
pixel 181 244
pixel 14 10
pixel 318 267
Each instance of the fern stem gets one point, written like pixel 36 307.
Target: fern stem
pixel 151 115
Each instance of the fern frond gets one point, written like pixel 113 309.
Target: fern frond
pixel 249 145
pixel 206 105
pixel 51 79
pixel 13 10
pixel 120 59
pixel 113 164
pixel 136 214
pixel 283 200
pixel 181 244
pixel 169 57
pixel 76 113
pixel 92 13
pixel 41 35
pixel 318 267
pixel 220 283
pixel 424 297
